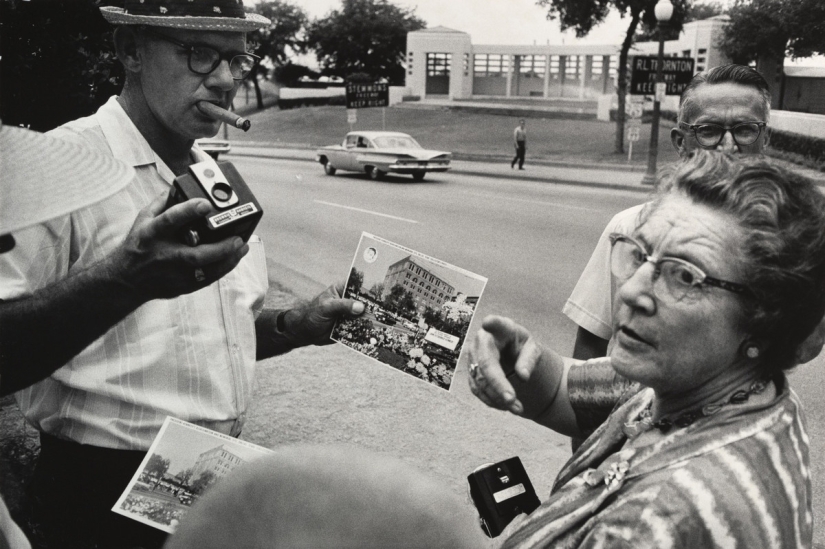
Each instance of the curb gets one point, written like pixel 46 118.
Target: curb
pixel 537 179
pixel 463 156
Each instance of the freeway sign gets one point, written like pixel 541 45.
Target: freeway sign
pixel 361 96
pixel 676 73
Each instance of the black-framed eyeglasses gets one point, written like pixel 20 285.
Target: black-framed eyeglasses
pixel 673 278
pixel 203 59
pixel 710 135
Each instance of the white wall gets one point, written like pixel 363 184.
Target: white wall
pixel 812 125
pixel 294 93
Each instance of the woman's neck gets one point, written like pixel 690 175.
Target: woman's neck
pixel 715 390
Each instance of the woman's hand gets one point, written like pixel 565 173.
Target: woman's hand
pixel 502 354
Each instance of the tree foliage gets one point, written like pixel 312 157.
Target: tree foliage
pixel 377 290
pixel 774 29
pixel 356 280
pixel 363 36
pixel 583 15
pixel 275 43
pixel 204 481
pixel 157 465
pixel 399 300
pixel 58 61
pixel 695 12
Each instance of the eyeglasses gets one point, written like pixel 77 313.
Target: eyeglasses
pixel 203 59
pixel 673 278
pixel 710 135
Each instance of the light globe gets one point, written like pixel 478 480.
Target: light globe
pixel 663 11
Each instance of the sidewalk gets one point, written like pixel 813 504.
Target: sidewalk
pixel 612 177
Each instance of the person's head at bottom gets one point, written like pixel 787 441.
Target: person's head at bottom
pixel 327 497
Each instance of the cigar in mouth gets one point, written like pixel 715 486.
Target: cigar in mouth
pixel 213 111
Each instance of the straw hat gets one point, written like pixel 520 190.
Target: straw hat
pixel 44 177
pixel 206 15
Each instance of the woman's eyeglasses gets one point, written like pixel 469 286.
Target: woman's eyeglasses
pixel 710 135
pixel 203 59
pixel 673 278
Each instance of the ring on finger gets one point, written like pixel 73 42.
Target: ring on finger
pixel 200 276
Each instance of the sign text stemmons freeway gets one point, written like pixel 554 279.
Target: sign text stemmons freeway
pixel 362 96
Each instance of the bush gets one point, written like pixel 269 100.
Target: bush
pixel 807 146
pixel 297 102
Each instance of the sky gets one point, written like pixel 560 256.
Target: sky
pixel 501 22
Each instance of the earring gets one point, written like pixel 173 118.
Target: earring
pixel 752 351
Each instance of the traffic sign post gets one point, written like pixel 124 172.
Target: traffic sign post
pixel 352 117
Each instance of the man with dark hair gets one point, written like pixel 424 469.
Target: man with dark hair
pixel 190 329
pixel 727 109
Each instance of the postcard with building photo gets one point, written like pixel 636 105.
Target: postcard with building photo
pixel 185 460
pixel 419 309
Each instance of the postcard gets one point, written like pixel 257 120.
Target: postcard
pixel 419 309
pixel 185 460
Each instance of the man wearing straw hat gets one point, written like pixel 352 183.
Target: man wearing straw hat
pixel 191 356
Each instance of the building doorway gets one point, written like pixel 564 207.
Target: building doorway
pixel 438 73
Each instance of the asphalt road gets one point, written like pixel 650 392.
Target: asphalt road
pixel 531 239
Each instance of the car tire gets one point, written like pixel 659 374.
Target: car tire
pixel 418 175
pixel 329 169
pixel 375 174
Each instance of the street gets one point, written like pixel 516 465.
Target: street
pixel 531 239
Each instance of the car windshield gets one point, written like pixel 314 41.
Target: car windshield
pixel 396 142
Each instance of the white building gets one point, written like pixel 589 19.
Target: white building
pixel 444 62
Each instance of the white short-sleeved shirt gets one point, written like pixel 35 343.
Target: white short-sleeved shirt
pixel 192 357
pixel 591 303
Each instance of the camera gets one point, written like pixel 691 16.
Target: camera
pixel 236 212
pixel 501 491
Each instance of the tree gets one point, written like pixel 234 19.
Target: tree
pixel 58 61
pixel 377 290
pixel 583 15
pixel 766 31
pixel 157 467
pixel 204 481
pixel 356 280
pixel 364 36
pixel 695 12
pixel 275 42
pixel 185 476
pixel 432 317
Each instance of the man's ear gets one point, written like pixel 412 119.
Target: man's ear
pixel 677 137
pixel 126 40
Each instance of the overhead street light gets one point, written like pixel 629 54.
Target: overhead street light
pixel 663 11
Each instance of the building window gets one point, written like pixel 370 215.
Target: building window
pixel 686 53
pixel 438 64
pixel 702 51
pixel 489 64
pixel 532 66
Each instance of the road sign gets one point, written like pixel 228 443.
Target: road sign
pixel 677 73
pixel 362 96
pixel 633 133
pixel 352 116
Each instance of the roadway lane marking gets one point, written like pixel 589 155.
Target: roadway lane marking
pixel 365 211
pixel 554 204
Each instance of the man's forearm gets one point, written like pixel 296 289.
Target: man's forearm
pixel 42 332
pixel 271 339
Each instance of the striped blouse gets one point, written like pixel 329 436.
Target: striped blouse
pixel 192 357
pixel 737 479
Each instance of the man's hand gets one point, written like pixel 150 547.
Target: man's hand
pixel 311 324
pixel 154 262
pixel 505 352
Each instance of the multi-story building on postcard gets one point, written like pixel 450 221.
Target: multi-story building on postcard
pixel 426 287
pixel 218 460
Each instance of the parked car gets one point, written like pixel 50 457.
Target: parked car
pixel 384 318
pixel 214 147
pixel 380 153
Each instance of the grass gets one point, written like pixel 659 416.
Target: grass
pixel 585 141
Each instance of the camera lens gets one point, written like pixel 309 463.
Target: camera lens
pixel 222 192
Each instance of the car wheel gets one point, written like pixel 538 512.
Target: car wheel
pixel 375 174
pixel 329 169
pixel 419 175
